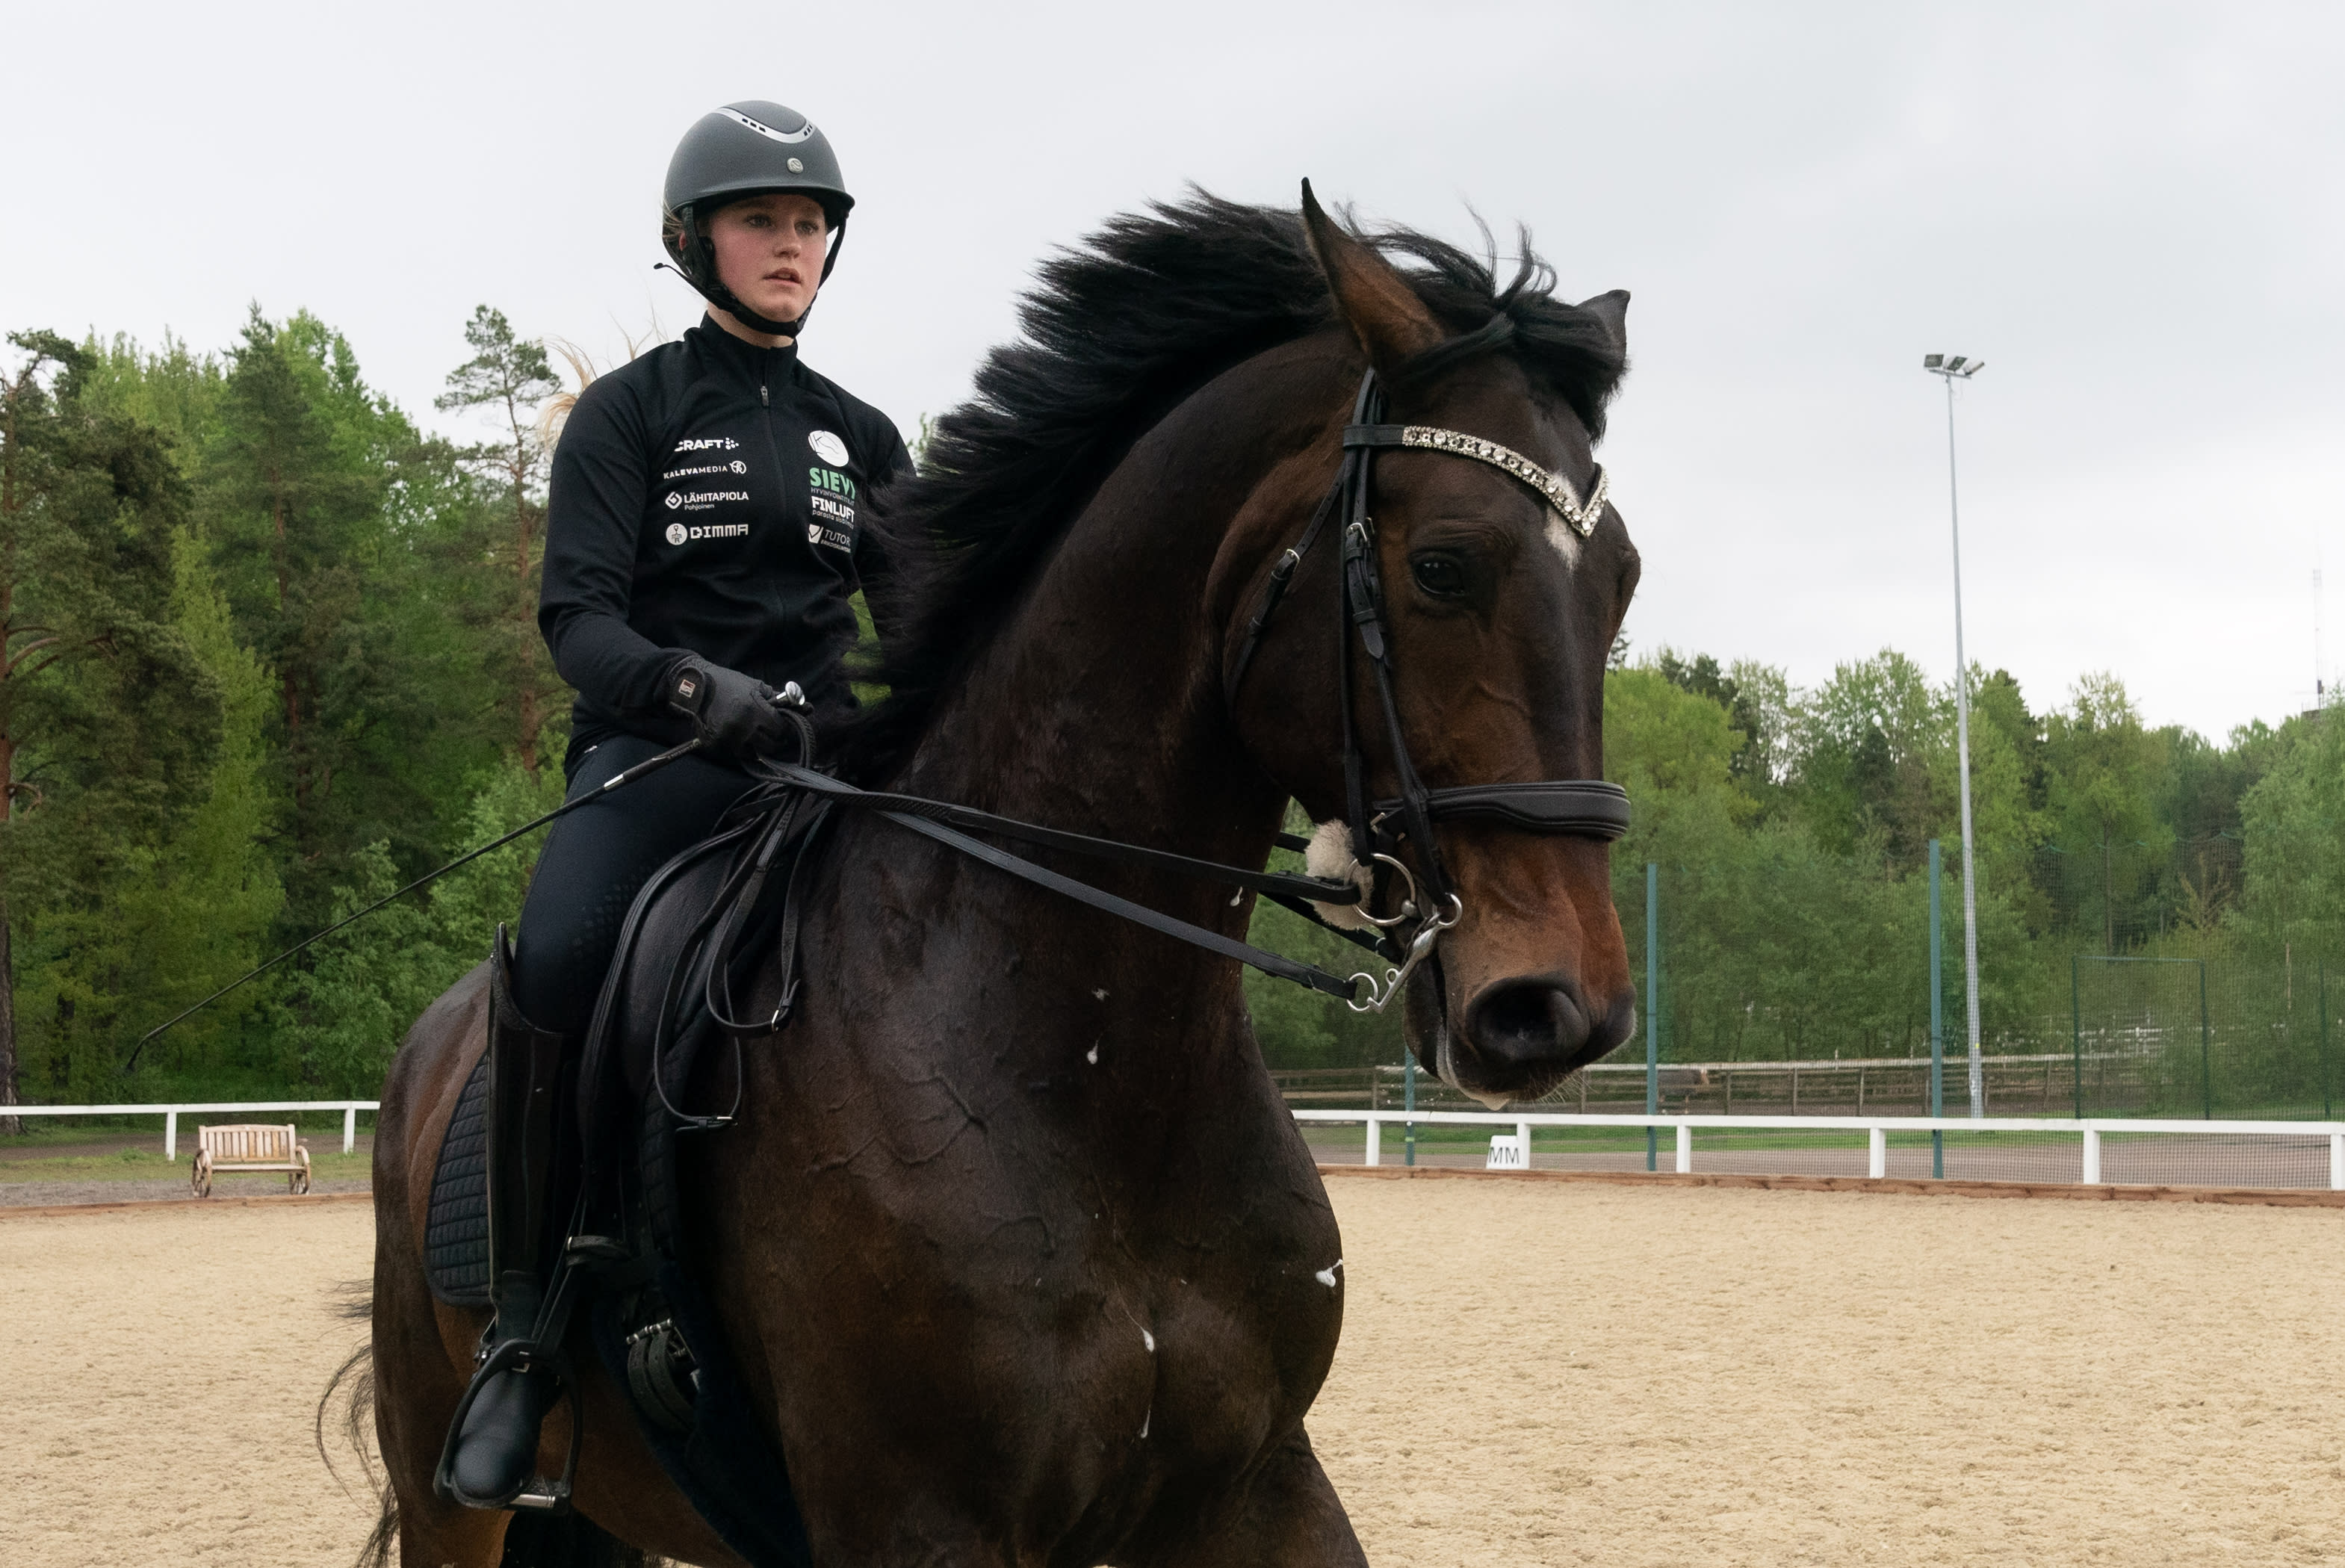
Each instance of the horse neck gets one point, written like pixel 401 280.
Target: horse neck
pixel 1097 707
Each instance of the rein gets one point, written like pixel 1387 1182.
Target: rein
pixel 790 807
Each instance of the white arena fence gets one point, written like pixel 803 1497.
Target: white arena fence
pixel 2093 1151
pixel 172 1113
pixel 2273 1154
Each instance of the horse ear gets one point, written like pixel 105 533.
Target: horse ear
pixel 1383 311
pixel 1613 309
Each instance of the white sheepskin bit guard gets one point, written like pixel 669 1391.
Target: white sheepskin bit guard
pixel 1330 857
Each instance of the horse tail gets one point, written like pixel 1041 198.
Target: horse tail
pixel 348 1405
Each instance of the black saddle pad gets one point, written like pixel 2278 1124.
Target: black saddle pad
pixel 456 1225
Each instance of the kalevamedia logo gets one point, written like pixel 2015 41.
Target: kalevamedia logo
pixel 827 447
pixel 677 533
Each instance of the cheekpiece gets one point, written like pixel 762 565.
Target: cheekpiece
pixel 1558 490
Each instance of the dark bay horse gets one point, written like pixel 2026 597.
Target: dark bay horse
pixel 1021 1254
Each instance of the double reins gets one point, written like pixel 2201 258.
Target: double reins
pixel 783 816
pixel 1589 808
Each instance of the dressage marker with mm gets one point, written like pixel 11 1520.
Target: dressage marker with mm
pixel 1532 1372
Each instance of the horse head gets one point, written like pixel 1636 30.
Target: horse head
pixel 1499 612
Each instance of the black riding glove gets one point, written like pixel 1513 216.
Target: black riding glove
pixel 734 714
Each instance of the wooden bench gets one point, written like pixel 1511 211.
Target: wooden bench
pixel 237 1150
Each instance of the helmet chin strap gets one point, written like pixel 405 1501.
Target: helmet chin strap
pixel 700 257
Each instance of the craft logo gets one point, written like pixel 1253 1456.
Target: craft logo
pixel 827 447
pixel 679 534
pixel 706 444
pixel 736 466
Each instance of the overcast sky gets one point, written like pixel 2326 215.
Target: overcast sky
pixel 2134 214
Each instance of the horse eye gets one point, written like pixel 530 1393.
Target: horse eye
pixel 1439 575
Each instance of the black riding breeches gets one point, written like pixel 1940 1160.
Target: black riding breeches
pixel 594 863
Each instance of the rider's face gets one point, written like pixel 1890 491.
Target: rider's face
pixel 769 252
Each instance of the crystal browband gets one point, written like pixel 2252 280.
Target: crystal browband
pixel 1558 490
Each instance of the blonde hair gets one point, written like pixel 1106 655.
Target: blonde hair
pixel 556 413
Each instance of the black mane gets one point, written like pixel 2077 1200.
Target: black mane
pixel 1117 332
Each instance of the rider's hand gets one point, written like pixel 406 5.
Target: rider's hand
pixel 732 714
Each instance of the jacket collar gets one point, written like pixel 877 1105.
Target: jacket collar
pixel 765 366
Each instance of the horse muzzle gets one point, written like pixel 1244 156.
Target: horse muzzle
pixel 1516 1037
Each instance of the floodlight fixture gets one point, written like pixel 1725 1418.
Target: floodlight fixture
pixel 1950 368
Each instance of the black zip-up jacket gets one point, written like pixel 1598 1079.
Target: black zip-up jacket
pixel 707 499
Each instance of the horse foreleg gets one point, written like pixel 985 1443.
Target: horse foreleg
pixel 1284 1515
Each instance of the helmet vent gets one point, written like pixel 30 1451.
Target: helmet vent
pixel 767 131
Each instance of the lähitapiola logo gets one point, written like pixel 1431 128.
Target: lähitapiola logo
pixel 702 500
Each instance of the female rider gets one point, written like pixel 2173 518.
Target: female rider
pixel 702 541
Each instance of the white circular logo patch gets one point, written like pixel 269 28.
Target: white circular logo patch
pixel 827 447
pixel 674 500
pixel 677 533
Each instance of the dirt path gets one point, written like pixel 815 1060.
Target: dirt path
pixel 1534 1373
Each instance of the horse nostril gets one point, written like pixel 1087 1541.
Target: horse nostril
pixel 1527 1023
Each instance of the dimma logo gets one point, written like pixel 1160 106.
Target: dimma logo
pixel 677 533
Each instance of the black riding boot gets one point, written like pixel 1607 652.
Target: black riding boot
pixel 491 1455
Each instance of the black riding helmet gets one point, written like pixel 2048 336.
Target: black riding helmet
pixel 749 148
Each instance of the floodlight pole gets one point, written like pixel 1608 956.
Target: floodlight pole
pixel 1947 369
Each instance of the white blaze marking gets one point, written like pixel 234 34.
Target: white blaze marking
pixel 1092 1055
pixel 1100 996
pixel 1560 534
pixel 1328 1276
pixel 1149 1340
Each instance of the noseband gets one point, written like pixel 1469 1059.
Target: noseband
pixel 1585 808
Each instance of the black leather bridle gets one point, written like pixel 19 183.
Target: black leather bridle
pixel 1587 808
pixel 773 827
